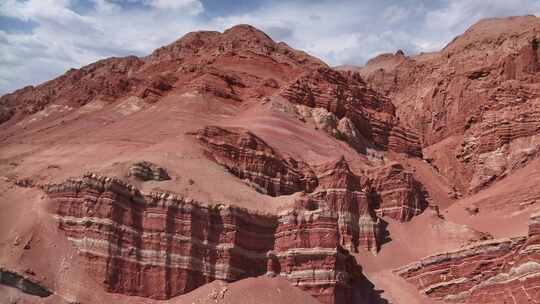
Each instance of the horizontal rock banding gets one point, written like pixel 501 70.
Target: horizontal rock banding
pixel 504 136
pixel 387 191
pixel 159 245
pixel 248 157
pixel 481 92
pixel 495 271
pixel 307 253
pixel 341 191
pixel 346 95
pixel 396 193
pixel 146 171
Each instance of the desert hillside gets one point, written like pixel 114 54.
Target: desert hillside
pixel 227 167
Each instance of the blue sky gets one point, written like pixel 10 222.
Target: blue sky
pixel 41 39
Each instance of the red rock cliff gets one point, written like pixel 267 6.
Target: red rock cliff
pixel 307 252
pixel 249 158
pixel 158 245
pixel 475 103
pixel 357 200
pixel 496 271
pixel 346 95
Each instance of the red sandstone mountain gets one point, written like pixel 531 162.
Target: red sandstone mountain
pixel 226 167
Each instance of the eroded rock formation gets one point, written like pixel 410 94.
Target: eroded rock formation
pixel 146 171
pixel 159 245
pixel 307 252
pixel 471 109
pixel 396 193
pixel 340 190
pixel 345 94
pixel 475 102
pixel 495 271
pixel 387 191
pixel 248 157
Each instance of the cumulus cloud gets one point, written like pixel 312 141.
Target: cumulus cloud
pixel 40 39
pixel 193 7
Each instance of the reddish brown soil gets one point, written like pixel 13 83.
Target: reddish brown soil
pixel 420 155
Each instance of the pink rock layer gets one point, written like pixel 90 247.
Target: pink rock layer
pixel 358 201
pixel 159 245
pixel 396 193
pixel 341 190
pixel 495 271
pixel 346 95
pixel 480 92
pixel 307 253
pixel 248 157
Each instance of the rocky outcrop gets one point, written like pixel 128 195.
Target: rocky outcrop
pixel 23 283
pixel 396 193
pixel 340 190
pixel 321 118
pixel 248 157
pixel 495 271
pixel 307 252
pixel 159 245
pixel 342 129
pixel 208 47
pixel 359 202
pixel 345 94
pixel 504 137
pixel 146 171
pixel 5 113
pixel 481 92
pixel 106 79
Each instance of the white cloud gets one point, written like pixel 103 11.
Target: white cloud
pixel 193 7
pixel 39 10
pixel 105 7
pixel 394 14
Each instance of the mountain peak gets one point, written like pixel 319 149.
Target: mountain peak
pixel 495 31
pixel 243 28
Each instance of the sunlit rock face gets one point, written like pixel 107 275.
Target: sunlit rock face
pixel 249 158
pixel 481 93
pixel 495 271
pixel 345 94
pixel 158 245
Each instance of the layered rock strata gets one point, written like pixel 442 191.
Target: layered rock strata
pixel 495 271
pixel 248 157
pixel 481 93
pixel 396 193
pixel 159 245
pixel 146 171
pixel 307 252
pixel 340 190
pixel 357 200
pixel 346 95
